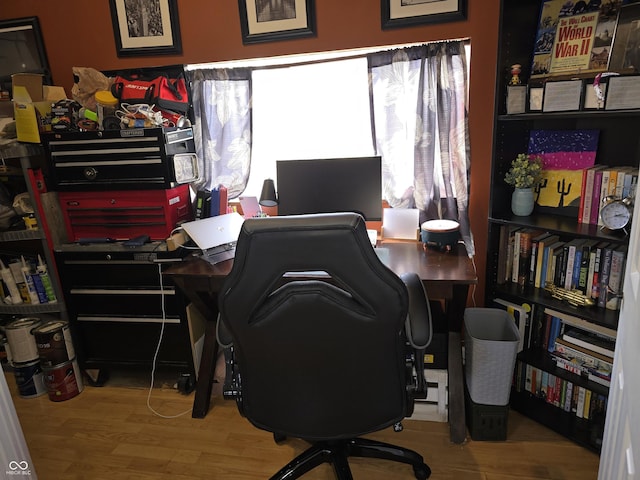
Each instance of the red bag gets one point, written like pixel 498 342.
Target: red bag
pixel 163 92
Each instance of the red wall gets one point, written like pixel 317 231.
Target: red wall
pixel 80 33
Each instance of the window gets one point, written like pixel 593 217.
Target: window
pixel 312 111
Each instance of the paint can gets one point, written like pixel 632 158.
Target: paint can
pixel 63 381
pixel 54 343
pixel 21 341
pixel 29 379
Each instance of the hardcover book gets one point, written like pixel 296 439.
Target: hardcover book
pixel 574 37
pixel 590 341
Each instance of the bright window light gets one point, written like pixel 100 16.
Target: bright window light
pixel 318 110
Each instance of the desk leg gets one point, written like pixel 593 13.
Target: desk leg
pixel 455 314
pixel 204 384
pixel 457 424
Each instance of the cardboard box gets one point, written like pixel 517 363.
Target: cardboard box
pixel 32 105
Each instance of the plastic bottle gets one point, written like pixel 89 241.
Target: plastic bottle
pixel 106 105
pixel 16 272
pixel 28 280
pixel 7 278
pixel 41 269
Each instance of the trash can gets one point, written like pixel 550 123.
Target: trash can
pixel 491 343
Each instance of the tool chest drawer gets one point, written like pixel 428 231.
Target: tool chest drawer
pixel 128 159
pixel 119 305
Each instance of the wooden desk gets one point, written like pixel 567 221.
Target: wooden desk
pixel 446 275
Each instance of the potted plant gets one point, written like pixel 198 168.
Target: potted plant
pixel 524 175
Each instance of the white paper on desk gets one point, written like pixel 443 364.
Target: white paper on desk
pixel 400 223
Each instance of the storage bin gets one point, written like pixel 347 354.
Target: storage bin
pixel 486 422
pixel 491 344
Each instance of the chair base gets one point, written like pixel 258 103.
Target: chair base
pixel 337 452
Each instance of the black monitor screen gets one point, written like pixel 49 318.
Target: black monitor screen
pixel 330 185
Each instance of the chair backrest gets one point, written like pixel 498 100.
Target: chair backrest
pixel 319 357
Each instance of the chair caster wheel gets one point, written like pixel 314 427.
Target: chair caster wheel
pixel 422 472
pixel 279 438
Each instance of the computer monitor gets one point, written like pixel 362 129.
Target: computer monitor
pixel 330 185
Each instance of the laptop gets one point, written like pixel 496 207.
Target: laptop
pixel 250 206
pixel 215 236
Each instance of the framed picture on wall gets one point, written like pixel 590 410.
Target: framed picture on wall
pixel 625 53
pixel 402 13
pixel 146 27
pixel 268 20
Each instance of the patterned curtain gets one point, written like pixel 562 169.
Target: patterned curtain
pixel 222 132
pixel 419 100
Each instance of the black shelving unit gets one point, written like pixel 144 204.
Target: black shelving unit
pixel 619 145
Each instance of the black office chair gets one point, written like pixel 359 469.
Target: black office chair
pixel 320 343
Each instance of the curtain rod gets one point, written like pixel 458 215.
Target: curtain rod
pixel 301 58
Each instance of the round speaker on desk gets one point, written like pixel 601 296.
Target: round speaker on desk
pixel 440 234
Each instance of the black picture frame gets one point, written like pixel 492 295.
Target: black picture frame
pixel 563 96
pixel 296 19
pixel 625 55
pixel 536 94
pixel 163 37
pixel 25 32
pixel 623 93
pixel 404 13
pixel 516 99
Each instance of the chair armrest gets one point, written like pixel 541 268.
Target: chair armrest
pixel 418 325
pixel 419 331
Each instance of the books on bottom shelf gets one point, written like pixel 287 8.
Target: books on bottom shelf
pixel 559 392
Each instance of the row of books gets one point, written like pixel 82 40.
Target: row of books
pixel 534 258
pixel 210 203
pixel 601 181
pixel 559 392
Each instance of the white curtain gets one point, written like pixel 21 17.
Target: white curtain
pixel 419 97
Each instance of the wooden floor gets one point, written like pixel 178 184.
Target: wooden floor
pixel 110 433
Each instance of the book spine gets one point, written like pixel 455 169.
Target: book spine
pixel 568 269
pixel 620 182
pixel 224 200
pixel 595 285
pixel 214 205
pixel 515 266
pixel 560 387
pixel 583 271
pixel 587 196
pixel 605 270
pixel 502 255
pixel 583 194
pixel 553 333
pixel 587 404
pixel 604 192
pixel 595 200
pixel 568 399
pixel 524 258
pixel 580 403
pixel 533 262
pixel 614 288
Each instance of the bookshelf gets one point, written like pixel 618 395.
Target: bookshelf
pixel 618 146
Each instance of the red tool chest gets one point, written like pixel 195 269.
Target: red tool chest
pixel 125 214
